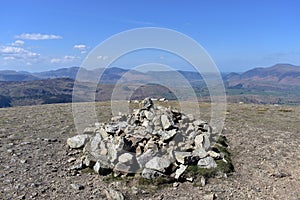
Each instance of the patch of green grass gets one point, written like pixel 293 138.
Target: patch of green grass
pixel 225 167
pixel 222 166
pixel 157 181
pixel 222 140
pixel 196 171
pixel 227 156
pixel 112 178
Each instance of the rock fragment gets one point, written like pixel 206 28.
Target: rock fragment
pixel 76 186
pixel 207 162
pixel 159 164
pixel 180 171
pixel 78 141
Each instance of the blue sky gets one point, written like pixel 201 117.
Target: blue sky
pixel 41 35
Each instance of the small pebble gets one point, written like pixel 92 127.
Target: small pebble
pixel 76 186
pixel 175 184
pixel 190 179
pixel 203 181
pixel 71 160
pixel 23 161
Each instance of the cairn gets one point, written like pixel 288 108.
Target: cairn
pixel 152 141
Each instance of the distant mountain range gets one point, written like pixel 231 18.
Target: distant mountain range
pixel 110 75
pixel 277 84
pixel 279 75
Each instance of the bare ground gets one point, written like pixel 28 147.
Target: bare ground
pixel 264 141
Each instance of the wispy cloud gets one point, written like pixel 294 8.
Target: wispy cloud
pixel 18 43
pixel 70 58
pixel 102 57
pixel 38 36
pixel 65 59
pixel 81 47
pixel 56 60
pixel 12 53
pixel 9 58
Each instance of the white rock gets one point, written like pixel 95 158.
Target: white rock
pixel 181 156
pixel 199 141
pixel 208 128
pixel 123 168
pixel 145 157
pixel 158 163
pixel 78 141
pixel 190 179
pixel 207 162
pixel 206 142
pixel 167 135
pixel 126 158
pixel 145 123
pixel 200 152
pixel 180 171
pixel 94 144
pixel 166 122
pixel 202 181
pixel 102 168
pixel 149 115
pixel 89 130
pixel 151 174
pixel 76 186
pixel 214 154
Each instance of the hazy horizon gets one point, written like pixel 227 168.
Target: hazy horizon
pixel 140 70
pixel 40 36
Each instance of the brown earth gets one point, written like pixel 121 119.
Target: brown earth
pixel 264 141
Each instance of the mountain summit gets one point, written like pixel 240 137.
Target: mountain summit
pixel 277 75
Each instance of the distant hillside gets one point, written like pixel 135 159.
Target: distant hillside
pixel 277 84
pixel 109 75
pixel 10 75
pixel 48 91
pixel 279 76
pixel 59 73
pixel 20 93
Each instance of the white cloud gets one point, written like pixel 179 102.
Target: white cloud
pixel 55 60
pixel 70 58
pixel 81 47
pixel 9 58
pixel 38 36
pixel 11 53
pixel 102 57
pixel 18 43
pixel 65 59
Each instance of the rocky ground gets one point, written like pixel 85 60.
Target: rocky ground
pixel 35 159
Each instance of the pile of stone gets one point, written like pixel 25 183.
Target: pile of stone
pixel 153 141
